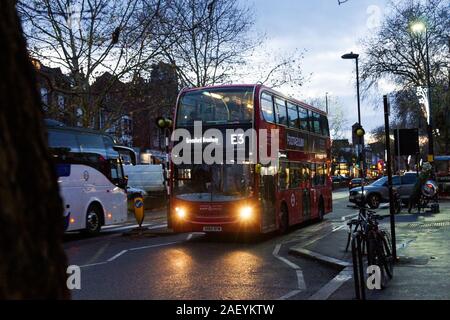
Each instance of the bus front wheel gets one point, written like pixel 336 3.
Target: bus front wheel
pixel 93 221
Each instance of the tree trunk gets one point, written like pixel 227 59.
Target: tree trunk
pixel 32 260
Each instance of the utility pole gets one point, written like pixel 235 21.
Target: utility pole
pixel 389 173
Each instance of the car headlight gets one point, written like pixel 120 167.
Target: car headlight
pixel 246 213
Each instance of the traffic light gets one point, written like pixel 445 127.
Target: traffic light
pixel 163 123
pixel 359 131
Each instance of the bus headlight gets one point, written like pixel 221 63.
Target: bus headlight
pixel 246 213
pixel 180 212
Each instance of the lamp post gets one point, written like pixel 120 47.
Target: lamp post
pixel 359 130
pixel 419 27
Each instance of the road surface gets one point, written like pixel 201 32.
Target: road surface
pixel 196 266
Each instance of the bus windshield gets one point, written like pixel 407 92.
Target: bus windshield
pixel 216 106
pixel 213 183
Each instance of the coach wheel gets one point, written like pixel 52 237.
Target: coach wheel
pixel 93 222
pixel 284 220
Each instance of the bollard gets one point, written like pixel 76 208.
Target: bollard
pixel 139 210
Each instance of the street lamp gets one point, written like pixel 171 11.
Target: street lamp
pixel 419 27
pixel 359 130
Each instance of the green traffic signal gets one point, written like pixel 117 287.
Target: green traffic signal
pixel 163 123
pixel 359 131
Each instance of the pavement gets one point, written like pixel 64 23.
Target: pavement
pixel 422 270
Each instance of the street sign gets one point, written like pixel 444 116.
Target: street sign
pixel 406 142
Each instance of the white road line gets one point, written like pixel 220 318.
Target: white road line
pixel 128 227
pixel 189 237
pixel 154 246
pixel 349 217
pixel 301 280
pixel 157 226
pixel 338 228
pixel 93 264
pixel 110 226
pixel 289 294
pixel 298 271
pixel 327 290
pixel 117 255
pixel 404 244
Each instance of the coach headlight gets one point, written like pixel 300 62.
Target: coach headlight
pixel 246 213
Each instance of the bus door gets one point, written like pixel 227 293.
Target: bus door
pixel 306 192
pixel 267 196
pixel 296 195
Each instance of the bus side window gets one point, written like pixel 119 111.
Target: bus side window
pixel 316 123
pixel 303 114
pixel 321 174
pixel 58 139
pixel 267 107
pixel 306 173
pixel 62 170
pixel 314 174
pixel 294 120
pixel 281 114
pixel 284 176
pixel 295 175
pixel 91 143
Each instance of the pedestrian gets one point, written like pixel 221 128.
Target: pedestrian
pixel 424 175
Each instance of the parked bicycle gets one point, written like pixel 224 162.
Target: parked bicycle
pixel 367 238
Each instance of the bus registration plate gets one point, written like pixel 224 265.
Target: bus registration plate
pixel 212 229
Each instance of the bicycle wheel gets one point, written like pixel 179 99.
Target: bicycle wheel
pixel 386 250
pixel 358 272
pixel 377 255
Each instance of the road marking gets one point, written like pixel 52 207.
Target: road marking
pixel 128 227
pixel 338 228
pixel 93 264
pixel 157 226
pixel 340 195
pixel 154 246
pixel 327 290
pixel 336 263
pixel 289 294
pixel 111 226
pixel 189 237
pixel 117 255
pixel 298 271
pixel 349 217
pixel 404 244
pixel 301 280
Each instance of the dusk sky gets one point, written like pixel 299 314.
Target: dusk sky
pixel 326 31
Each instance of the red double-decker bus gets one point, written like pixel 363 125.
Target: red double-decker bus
pixel 251 195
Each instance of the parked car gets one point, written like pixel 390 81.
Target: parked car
pixel 356 182
pixel 378 192
pixel 339 181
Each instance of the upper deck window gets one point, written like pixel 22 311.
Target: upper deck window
pixel 294 120
pixel 304 118
pixel 267 107
pixel 280 106
pixel 216 106
pixel 316 123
